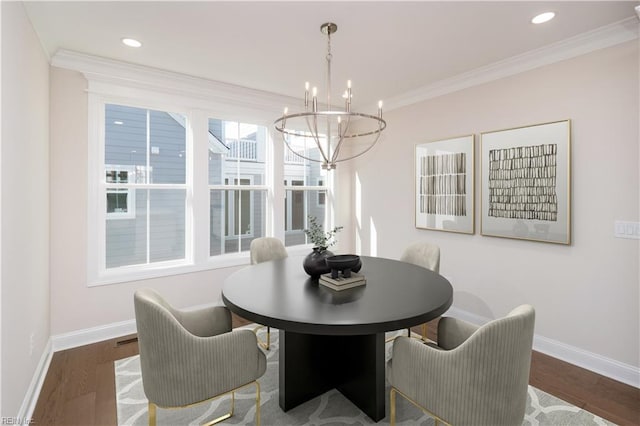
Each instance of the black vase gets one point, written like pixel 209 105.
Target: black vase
pixel 314 263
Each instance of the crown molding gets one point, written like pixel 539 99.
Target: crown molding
pixel 110 71
pixel 600 38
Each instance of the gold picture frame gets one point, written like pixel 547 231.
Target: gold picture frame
pixel 526 182
pixel 444 185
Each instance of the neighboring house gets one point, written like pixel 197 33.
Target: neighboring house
pixel 236 157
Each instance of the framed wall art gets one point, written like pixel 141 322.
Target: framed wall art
pixel 444 185
pixel 526 183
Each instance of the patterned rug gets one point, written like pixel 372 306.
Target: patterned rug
pixel 331 408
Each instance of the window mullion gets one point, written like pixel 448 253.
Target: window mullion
pixel 147 178
pixel 199 158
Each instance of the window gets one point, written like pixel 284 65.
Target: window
pixel 176 189
pixel 305 193
pixel 144 174
pixel 237 185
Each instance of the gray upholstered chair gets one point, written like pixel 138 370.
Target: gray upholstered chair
pixel 473 376
pixel 428 256
pixel 264 249
pixel 187 357
pixel 423 254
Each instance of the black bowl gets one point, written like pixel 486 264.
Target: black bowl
pixel 343 262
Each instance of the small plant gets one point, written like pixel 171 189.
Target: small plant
pixel 320 239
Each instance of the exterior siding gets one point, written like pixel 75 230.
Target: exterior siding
pixel 157 217
pixel 126 146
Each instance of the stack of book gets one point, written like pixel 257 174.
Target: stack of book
pixel 342 283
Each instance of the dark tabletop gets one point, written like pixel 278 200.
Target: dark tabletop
pixel 281 295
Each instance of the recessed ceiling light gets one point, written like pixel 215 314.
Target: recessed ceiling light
pixel 118 122
pixel 131 42
pixel 543 17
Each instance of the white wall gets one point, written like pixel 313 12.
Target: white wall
pixel 586 295
pixel 74 306
pixel 581 292
pixel 25 205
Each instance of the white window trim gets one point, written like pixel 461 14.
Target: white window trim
pixel 116 82
pixel 97 271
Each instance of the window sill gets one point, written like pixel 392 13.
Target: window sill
pixel 126 275
pixel 130 274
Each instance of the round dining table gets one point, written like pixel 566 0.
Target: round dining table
pixel 335 338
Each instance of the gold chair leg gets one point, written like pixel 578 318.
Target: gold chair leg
pixel 257 403
pixel 392 406
pixel 265 345
pixel 268 338
pixel 152 406
pixel 392 409
pixel 152 414
pixel 224 416
pixel 425 329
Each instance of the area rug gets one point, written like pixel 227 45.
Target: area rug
pixel 331 408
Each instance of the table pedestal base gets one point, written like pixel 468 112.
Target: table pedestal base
pixel 312 364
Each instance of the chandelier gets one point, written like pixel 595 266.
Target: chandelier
pixel 328 130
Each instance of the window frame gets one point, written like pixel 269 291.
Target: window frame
pixel 197 101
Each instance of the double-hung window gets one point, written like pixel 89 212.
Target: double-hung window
pixel 305 190
pixel 144 186
pixel 176 185
pixel 237 185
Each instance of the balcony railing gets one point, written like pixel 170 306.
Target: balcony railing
pixel 242 149
pixel 290 157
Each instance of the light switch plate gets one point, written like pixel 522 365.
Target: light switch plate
pixel 623 229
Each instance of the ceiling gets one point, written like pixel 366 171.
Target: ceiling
pixel 385 48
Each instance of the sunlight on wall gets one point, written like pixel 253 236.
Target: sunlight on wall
pixel 373 242
pixel 358 235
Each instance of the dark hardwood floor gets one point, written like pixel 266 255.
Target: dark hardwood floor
pixel 80 388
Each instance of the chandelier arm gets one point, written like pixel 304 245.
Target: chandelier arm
pixel 336 151
pixel 314 135
pixel 363 152
pixel 296 152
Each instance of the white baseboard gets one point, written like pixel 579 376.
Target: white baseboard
pixel 599 364
pixel 87 336
pixel 33 391
pixel 608 367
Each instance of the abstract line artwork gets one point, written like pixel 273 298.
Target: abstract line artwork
pixel 526 182
pixel 444 185
pixel 522 182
